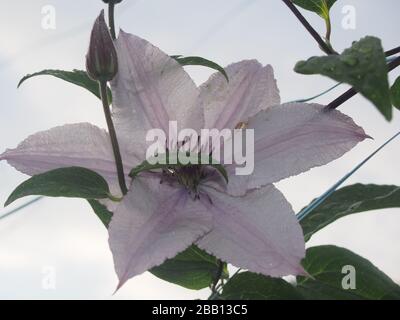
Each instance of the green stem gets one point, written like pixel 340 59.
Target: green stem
pixel 215 294
pixel 214 291
pixel 113 137
pixel 111 20
pixel 323 45
pixel 328 29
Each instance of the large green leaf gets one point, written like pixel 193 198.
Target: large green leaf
pixel 320 7
pixel 326 265
pixel 77 77
pixel 395 93
pixel 193 269
pixel 363 66
pixel 317 290
pixel 199 61
pixel 251 286
pixel 349 200
pixel 72 182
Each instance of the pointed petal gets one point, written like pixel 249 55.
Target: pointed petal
pixel 154 222
pixel 81 144
pixel 294 138
pixel 258 232
pixel 291 139
pixel 251 88
pixel 150 89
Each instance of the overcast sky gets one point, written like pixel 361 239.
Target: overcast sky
pixel 64 235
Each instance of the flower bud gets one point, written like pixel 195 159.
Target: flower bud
pixel 101 59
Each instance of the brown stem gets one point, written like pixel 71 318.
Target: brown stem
pixel 323 45
pixel 111 20
pixel 328 29
pixel 392 52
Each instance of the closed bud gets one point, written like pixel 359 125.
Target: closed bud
pixel 101 59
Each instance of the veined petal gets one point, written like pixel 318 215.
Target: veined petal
pixel 150 89
pixel 82 145
pixel 154 222
pixel 258 232
pixel 291 139
pixel 251 88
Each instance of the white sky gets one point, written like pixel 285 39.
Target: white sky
pixel 65 234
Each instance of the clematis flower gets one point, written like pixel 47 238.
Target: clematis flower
pixel 246 222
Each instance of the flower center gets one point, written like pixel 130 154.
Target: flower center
pixel 189 176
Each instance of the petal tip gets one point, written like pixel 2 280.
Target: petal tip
pixel 3 156
pixel 119 286
pixel 300 271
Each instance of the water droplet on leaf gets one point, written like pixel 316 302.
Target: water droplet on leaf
pixel 349 60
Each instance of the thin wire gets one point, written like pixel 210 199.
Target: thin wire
pixel 9 213
pixel 318 95
pixel 306 211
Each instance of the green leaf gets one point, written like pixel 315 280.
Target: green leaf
pixel 349 200
pixel 192 269
pixel 77 77
pixel 363 66
pixel 316 290
pixel 101 211
pixel 73 182
pixel 395 93
pixel 251 286
pixel 146 166
pixel 198 61
pixel 325 264
pixel 162 162
pixel 320 7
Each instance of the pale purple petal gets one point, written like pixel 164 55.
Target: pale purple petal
pixel 291 139
pixel 154 222
pixel 82 145
pixel 150 89
pixel 251 88
pixel 258 232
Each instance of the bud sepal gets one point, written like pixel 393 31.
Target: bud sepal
pixel 101 59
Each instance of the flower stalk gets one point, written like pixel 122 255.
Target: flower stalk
pixel 102 66
pixel 111 20
pixel 111 12
pixel 113 137
pixel 323 45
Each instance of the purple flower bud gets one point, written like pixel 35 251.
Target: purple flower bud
pixel 101 59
